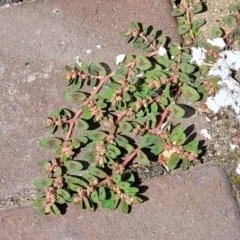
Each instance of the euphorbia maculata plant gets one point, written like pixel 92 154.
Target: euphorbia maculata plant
pixel 121 119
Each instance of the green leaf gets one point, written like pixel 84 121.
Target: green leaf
pixel 170 64
pixel 60 199
pixel 128 147
pixel 143 63
pixel 74 96
pixel 174 51
pixel 41 212
pixel 116 178
pixel 73 187
pixel 197 8
pixel 230 20
pixel 139 43
pixel 88 204
pixel 96 172
pixel 182 29
pixel 236 33
pixel 198 23
pixel 56 210
pixel 173 161
pixel 38 202
pixel 121 140
pixel 97 69
pixel 131 190
pixel 106 203
pixel 185 164
pixel 81 124
pixel 125 126
pixel 147 140
pixel 191 146
pixel 102 193
pixel 190 94
pixel 43 182
pixel 137 199
pixel 217 32
pixel 114 149
pixel 113 202
pixel 111 154
pixel 184 77
pixel 73 166
pixel 86 113
pixel 176 110
pixel 124 206
pixel 187 68
pixel 178 12
pixel 63 193
pixel 94 196
pixel 91 156
pixel 235 7
pixel 177 135
pixel 56 113
pixel 84 67
pixel 43 163
pixel 51 142
pixel 128 176
pixel 96 135
pixel 135 25
pixel 158 147
pixel 162 40
pixel 75 181
pixel 68 68
pixel 142 157
pixel 89 177
pixel 124 185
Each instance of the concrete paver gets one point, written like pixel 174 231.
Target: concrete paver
pixel 197 204
pixel 37 40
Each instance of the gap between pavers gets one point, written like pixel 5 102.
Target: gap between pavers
pixel 198 204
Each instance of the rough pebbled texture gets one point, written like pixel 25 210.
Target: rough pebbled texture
pixel 198 205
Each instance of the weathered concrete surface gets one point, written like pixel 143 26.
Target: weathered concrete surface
pixel 37 40
pixel 195 205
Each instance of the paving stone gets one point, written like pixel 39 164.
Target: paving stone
pixel 37 40
pixel 198 204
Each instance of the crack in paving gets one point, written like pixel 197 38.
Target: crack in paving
pixel 19 199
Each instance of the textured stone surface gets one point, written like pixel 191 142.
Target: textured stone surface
pixel 198 205
pixel 37 40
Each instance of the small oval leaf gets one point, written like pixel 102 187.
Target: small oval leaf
pixel 217 32
pixel 173 161
pixel 147 140
pixel 102 193
pixel 96 135
pixel 142 157
pixel 182 29
pixel 51 142
pixel 190 94
pixel 230 20
pixel 81 124
pixel 176 110
pixel 43 182
pixel 96 172
pixel 125 126
pixel 74 96
pixel 73 166
pixel 143 63
pixel 197 8
pixel 178 12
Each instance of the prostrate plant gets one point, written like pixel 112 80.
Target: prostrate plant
pixel 122 118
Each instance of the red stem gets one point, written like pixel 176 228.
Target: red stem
pixel 130 157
